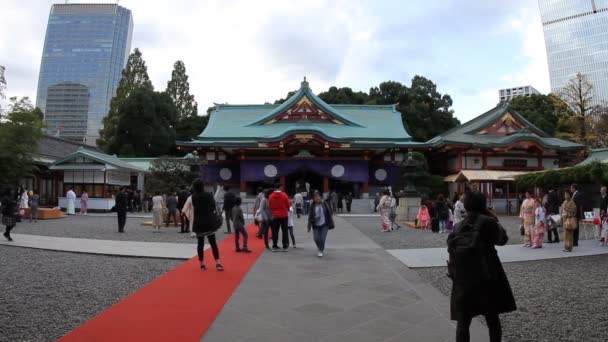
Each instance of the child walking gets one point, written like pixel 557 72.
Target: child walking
pixel 239 226
pixel 290 223
pixel 423 217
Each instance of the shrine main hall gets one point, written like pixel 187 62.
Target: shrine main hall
pixel 359 148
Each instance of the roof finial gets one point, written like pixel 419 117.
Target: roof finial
pixel 304 83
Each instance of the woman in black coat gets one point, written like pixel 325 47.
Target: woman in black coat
pixel 9 213
pixel 480 285
pixel 204 209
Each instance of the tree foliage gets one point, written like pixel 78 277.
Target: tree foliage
pixel 543 111
pixel 169 174
pixel 145 125
pixel 20 135
pixel 178 89
pixel 592 173
pixel 134 76
pixel 2 87
pixel 425 112
pixel 578 94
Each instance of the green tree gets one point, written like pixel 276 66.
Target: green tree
pixel 169 174
pixel 578 94
pixel 389 92
pixel 2 87
pixel 540 110
pixel 20 135
pixel 145 125
pixel 343 95
pixel 289 94
pixel 190 127
pixel 134 76
pixel 178 89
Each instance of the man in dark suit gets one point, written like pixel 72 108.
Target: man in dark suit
pixel 577 197
pixel 121 206
pixel 603 199
pixel 229 199
pixel 182 196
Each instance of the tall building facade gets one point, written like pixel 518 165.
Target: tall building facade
pixel 508 94
pixel 85 49
pixel 576 38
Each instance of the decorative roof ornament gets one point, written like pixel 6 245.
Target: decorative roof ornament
pixel 304 83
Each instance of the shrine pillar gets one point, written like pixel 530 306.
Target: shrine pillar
pixel 325 185
pixel 243 189
pixel 365 193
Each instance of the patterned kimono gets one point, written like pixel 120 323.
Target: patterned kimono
pixel 385 211
pixel 423 217
pixel 539 228
pixel 569 222
pixel 528 216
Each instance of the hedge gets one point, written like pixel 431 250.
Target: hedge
pixel 594 173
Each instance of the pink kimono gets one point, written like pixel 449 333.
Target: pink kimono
pixel 423 217
pixel 538 233
pixel 527 215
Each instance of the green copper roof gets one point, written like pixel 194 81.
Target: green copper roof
pixel 246 125
pixel 599 155
pixel 468 133
pixel 101 158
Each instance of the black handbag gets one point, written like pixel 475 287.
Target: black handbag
pixel 217 220
pixel 522 230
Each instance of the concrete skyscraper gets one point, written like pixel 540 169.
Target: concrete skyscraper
pixel 576 38
pixel 85 49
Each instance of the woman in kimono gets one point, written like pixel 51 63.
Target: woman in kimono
pixel 385 210
pixel 569 220
pixel 539 225
pixel 71 196
pixel 527 216
pixel 84 202
pixel 423 217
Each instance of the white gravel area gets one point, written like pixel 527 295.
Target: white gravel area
pixel 105 228
pixel 558 300
pixel 47 294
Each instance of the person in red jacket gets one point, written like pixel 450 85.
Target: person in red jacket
pixel 279 205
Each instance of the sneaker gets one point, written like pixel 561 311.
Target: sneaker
pixel 8 237
pixel 320 254
pixel 238 250
pixel 274 249
pixel 246 250
pixel 285 250
pixel 294 246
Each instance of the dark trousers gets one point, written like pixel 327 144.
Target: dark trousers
pixel 228 219
pixel 7 232
pixel 282 224
pixel 122 220
pixel 575 237
pixel 493 322
pixel 264 228
pixel 237 233
pixel 185 224
pixel 293 238
pixel 170 214
pixel 319 234
pixel 552 234
pixel 200 247
pixel 348 204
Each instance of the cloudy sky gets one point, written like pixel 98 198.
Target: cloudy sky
pixel 256 51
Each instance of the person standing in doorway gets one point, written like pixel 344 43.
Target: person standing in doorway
pixel 71 197
pixel 9 213
pixel 348 199
pixel 34 205
pixel 279 205
pixel 182 197
pixel 204 208
pixel 320 221
pixel 84 202
pixel 121 207
pixel 577 197
pixel 229 199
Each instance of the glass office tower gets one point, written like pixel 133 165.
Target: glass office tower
pixel 576 38
pixel 85 49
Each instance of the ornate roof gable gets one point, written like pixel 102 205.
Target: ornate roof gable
pixel 303 107
pixel 507 124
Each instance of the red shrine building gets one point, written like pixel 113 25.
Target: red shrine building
pixel 303 143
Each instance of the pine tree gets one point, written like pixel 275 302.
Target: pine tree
pixel 134 76
pixel 178 89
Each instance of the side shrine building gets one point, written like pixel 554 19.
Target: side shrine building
pixel 359 148
pixel 347 148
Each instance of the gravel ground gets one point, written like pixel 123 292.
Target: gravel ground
pixel 558 299
pixel 46 294
pixel 104 228
pixel 408 238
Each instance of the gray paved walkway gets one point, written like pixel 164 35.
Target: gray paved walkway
pixel 357 292
pixel 436 257
pixel 107 247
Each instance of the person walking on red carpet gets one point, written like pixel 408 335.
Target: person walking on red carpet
pixel 204 213
pixel 279 205
pixel 238 222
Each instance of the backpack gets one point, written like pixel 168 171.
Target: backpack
pixel 468 261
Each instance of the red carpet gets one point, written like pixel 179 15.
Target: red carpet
pixel 179 305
